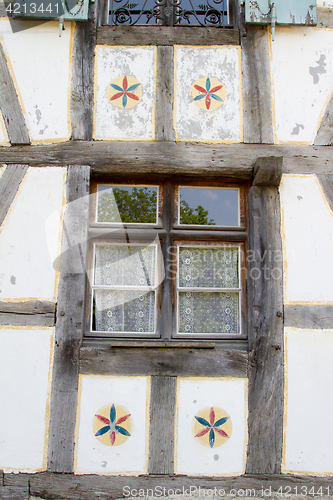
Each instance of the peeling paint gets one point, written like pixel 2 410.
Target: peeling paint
pixel 318 70
pixel 13 280
pixel 297 128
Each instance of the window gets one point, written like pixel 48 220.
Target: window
pixel 167 261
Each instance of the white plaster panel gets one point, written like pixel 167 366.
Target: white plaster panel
pixel 27 246
pixel 220 125
pixel 302 76
pixel 92 456
pixel 191 457
pixel 41 63
pixel 111 122
pixel 307 229
pixel 325 3
pixel 24 393
pixel 308 445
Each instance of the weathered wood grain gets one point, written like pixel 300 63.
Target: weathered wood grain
pixel 268 171
pixel 324 135
pixel 69 321
pixel 164 130
pixel 265 306
pixel 165 35
pixel 9 184
pixel 29 313
pixel 308 316
pixel 93 487
pixel 324 17
pixel 3 11
pixel 326 182
pixel 168 362
pixel 83 77
pixel 165 158
pixel 258 118
pixel 162 416
pixel 10 106
pixel 14 493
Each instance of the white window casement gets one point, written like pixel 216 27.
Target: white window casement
pixel 167 262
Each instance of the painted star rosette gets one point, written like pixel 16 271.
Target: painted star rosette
pixel 212 427
pixel 112 425
pixel 208 93
pixel 124 92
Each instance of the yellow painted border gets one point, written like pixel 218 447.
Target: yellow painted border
pixel 241 124
pixel 125 139
pixel 48 400
pixel 284 470
pixel 147 426
pixel 176 426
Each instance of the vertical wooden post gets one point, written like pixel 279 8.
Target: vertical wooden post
pixel 164 130
pixel 69 321
pixel 82 94
pixel 266 370
pixel 162 416
pixel 257 91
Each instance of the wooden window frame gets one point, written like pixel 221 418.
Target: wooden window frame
pixel 170 234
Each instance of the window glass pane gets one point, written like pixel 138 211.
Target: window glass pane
pixel 209 206
pixel 124 265
pixel 127 204
pixel 208 312
pixel 124 311
pixel 208 267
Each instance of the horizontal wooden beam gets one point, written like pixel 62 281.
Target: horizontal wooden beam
pixel 268 171
pixel 168 362
pixel 165 35
pixel 308 316
pixel 163 159
pixel 29 313
pixel 94 487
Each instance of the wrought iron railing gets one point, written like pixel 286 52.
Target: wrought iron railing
pixel 207 13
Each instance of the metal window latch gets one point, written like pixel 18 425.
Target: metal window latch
pixel 61 25
pixel 273 21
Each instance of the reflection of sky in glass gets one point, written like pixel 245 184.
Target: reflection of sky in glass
pixel 222 204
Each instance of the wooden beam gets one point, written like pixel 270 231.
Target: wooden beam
pixel 9 184
pixel 268 171
pixel 326 182
pixel 165 35
pixel 94 487
pixel 14 493
pixel 162 416
pixel 29 313
pixel 164 130
pixel 308 316
pixel 69 322
pixel 257 102
pixel 10 105
pixel 164 158
pixel 83 77
pixel 324 17
pixel 168 362
pixel 265 306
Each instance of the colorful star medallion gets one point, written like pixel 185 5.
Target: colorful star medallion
pixel 208 93
pixel 124 92
pixel 112 425
pixel 212 427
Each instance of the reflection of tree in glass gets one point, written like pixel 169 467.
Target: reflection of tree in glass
pixel 197 215
pixel 136 205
